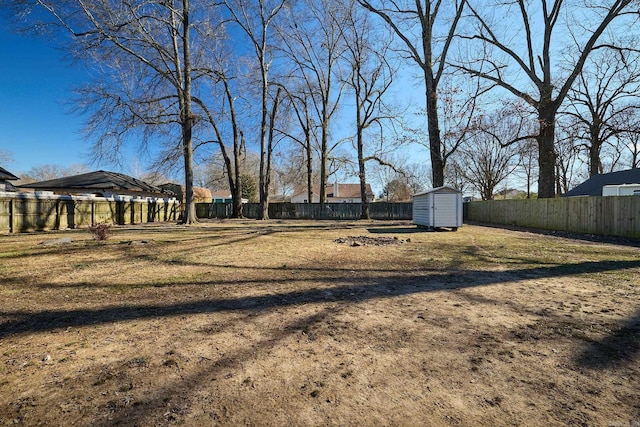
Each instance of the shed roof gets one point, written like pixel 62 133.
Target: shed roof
pixel 6 175
pixel 95 181
pixel 593 186
pixel 443 189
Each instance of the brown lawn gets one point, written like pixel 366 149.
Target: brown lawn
pixel 277 323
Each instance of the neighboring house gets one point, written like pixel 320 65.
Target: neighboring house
pixel 510 193
pixel 621 190
pixel 222 196
pixel 5 177
pixel 594 186
pixel 200 195
pixel 336 193
pixel 279 198
pixel 99 183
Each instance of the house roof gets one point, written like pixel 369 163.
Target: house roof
pixel 345 191
pixel 219 194
pixel 593 186
pixel 6 175
pixel 96 181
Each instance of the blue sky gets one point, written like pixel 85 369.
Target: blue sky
pixel 36 127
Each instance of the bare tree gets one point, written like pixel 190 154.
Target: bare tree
pixel 426 29
pixel 418 176
pixel 458 102
pixel 398 166
pixel 214 170
pixel 629 142
pixel 300 101
pixel 528 162
pixel 142 51
pixel 5 156
pixel 225 123
pixel 569 164
pixel 489 160
pixel 633 145
pixel 256 19
pixel 50 171
pixel 527 70
pixel 456 173
pixel 313 42
pixel 623 151
pixel 289 170
pixel 397 190
pixel 600 100
pixel 370 78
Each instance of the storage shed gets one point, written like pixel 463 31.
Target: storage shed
pixel 439 207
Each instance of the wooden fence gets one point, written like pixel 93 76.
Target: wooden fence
pixel 611 216
pixel 32 212
pixel 348 211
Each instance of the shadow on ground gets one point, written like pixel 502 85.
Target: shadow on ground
pixel 357 289
pixel 593 238
pixel 620 346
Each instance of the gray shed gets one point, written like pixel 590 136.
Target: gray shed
pixel 438 207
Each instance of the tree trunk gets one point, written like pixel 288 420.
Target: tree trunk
pixel 236 190
pixel 595 165
pixel 309 171
pixel 235 186
pixel 361 167
pixel 323 167
pixel 435 145
pixel 546 154
pixel 271 137
pixel 189 212
pixel 264 202
pixel 189 216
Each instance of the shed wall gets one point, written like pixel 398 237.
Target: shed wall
pixel 438 209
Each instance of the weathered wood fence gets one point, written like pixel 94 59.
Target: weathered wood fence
pixel 21 212
pixel 611 216
pixel 350 211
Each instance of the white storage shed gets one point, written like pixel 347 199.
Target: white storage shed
pixel 438 207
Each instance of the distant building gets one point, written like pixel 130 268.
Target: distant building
pixel 200 195
pixel 336 193
pixel 510 193
pixel 621 190
pixel 222 196
pixel 5 177
pixel 594 186
pixel 99 183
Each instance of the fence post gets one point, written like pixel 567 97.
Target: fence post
pixel 57 221
pixel 11 215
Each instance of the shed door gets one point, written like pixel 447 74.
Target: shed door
pixel 444 210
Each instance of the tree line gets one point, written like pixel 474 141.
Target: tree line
pixel 316 86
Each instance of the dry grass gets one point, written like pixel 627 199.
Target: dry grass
pixel 276 323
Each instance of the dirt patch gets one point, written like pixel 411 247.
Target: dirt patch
pixel 369 241
pixel 274 323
